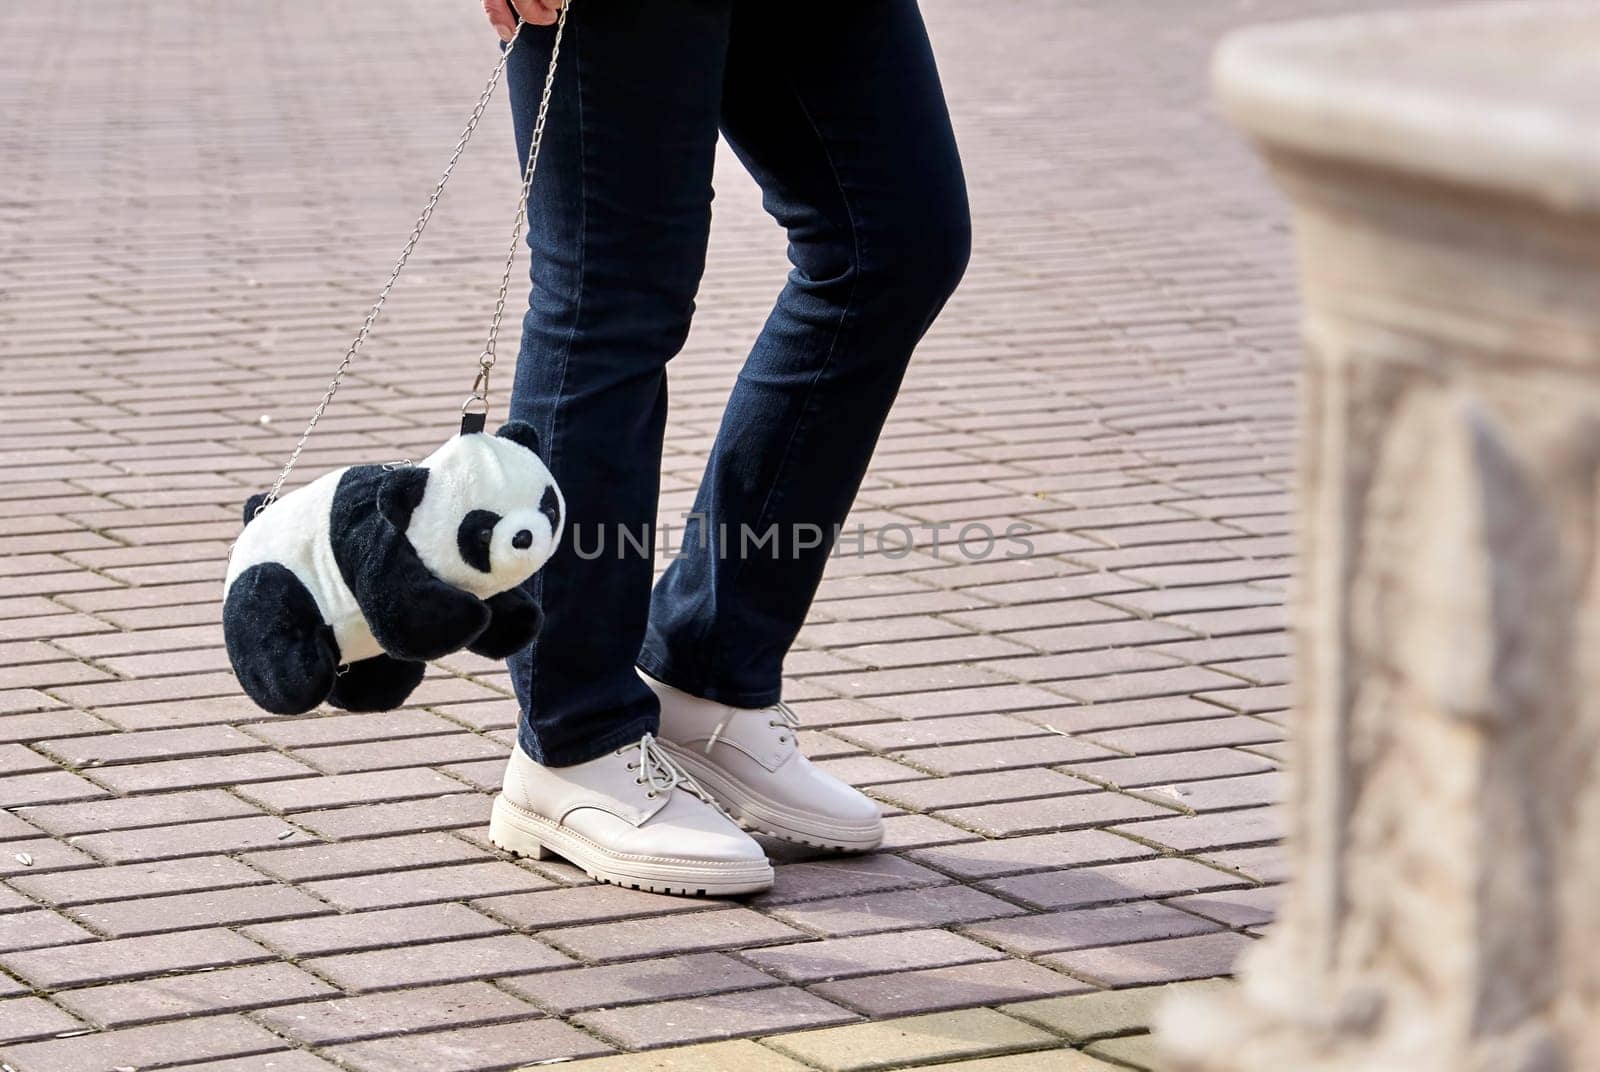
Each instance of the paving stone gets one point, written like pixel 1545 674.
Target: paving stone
pixel 1034 1061
pixel 841 876
pixel 133 881
pixel 32 930
pixel 19 759
pixel 921 733
pixel 1083 1018
pixel 1226 732
pixel 245 904
pixel 990 859
pixel 459 882
pixel 24 1019
pixel 658 936
pixel 1081 886
pixel 152 1046
pixel 307 794
pixel 935 1037
pixel 186 839
pixel 1250 907
pixel 713 1016
pixel 1263 863
pixel 1085 928
pixel 840 958
pixel 472 1049
pixel 992 788
pixel 1130 1051
pixel 150 745
pixel 738 1055
pixel 354 931
pixel 396 1012
pixel 1215 830
pixel 46 787
pixel 199 773
pixel 129 958
pixel 1227 794
pixel 436 962
pixel 1172 960
pixel 12 828
pixel 585 904
pixel 120 813
pixel 344 859
pixel 902 993
pixel 902 832
pixel 414 752
pixel 197 994
pixel 658 979
pixel 1136 772
pixel 937 906
pixel 281 1061
pixel 1053 814
pixel 323 729
pixel 1005 755
pixel 401 817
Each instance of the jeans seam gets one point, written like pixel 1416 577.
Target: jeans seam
pixel 768 503
pixel 572 330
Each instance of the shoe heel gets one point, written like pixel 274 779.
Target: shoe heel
pixel 505 833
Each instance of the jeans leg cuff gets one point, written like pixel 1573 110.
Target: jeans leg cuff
pixel 665 673
pixel 584 751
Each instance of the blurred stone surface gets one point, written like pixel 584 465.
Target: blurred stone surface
pixel 1444 170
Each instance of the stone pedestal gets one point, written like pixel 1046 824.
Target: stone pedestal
pixel 1444 170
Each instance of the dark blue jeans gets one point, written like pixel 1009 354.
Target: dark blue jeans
pixel 839 116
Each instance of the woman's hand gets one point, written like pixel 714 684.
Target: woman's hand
pixel 504 19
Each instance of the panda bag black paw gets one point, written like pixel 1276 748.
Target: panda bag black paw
pixel 282 651
pixel 513 623
pixel 380 683
pixel 376 569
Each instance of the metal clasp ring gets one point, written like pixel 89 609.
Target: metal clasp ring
pixel 480 390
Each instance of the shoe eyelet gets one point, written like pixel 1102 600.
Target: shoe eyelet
pixel 633 766
pixel 638 781
pixel 651 795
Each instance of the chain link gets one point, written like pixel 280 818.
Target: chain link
pixel 480 386
pixel 486 361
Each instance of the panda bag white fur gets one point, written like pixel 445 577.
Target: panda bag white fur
pixel 342 589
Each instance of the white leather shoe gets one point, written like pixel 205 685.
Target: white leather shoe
pixel 630 817
pixel 749 760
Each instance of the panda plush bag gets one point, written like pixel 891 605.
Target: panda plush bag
pixel 341 590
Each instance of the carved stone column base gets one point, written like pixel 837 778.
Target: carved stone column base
pixel 1444 916
pixel 1266 1025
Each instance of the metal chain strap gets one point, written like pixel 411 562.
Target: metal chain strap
pixel 480 385
pixel 486 361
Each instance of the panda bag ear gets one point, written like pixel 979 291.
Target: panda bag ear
pixel 521 433
pixel 400 493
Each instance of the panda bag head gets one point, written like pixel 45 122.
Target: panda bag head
pixel 342 590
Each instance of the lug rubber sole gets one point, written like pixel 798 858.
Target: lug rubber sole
pixel 533 837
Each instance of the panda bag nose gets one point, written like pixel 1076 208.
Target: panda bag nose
pixel 522 540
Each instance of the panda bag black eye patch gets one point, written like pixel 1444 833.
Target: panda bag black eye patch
pixel 470 538
pixel 550 507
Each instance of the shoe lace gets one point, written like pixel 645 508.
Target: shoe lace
pixel 660 772
pixel 786 720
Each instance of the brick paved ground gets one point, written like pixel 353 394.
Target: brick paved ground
pixel 1079 749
